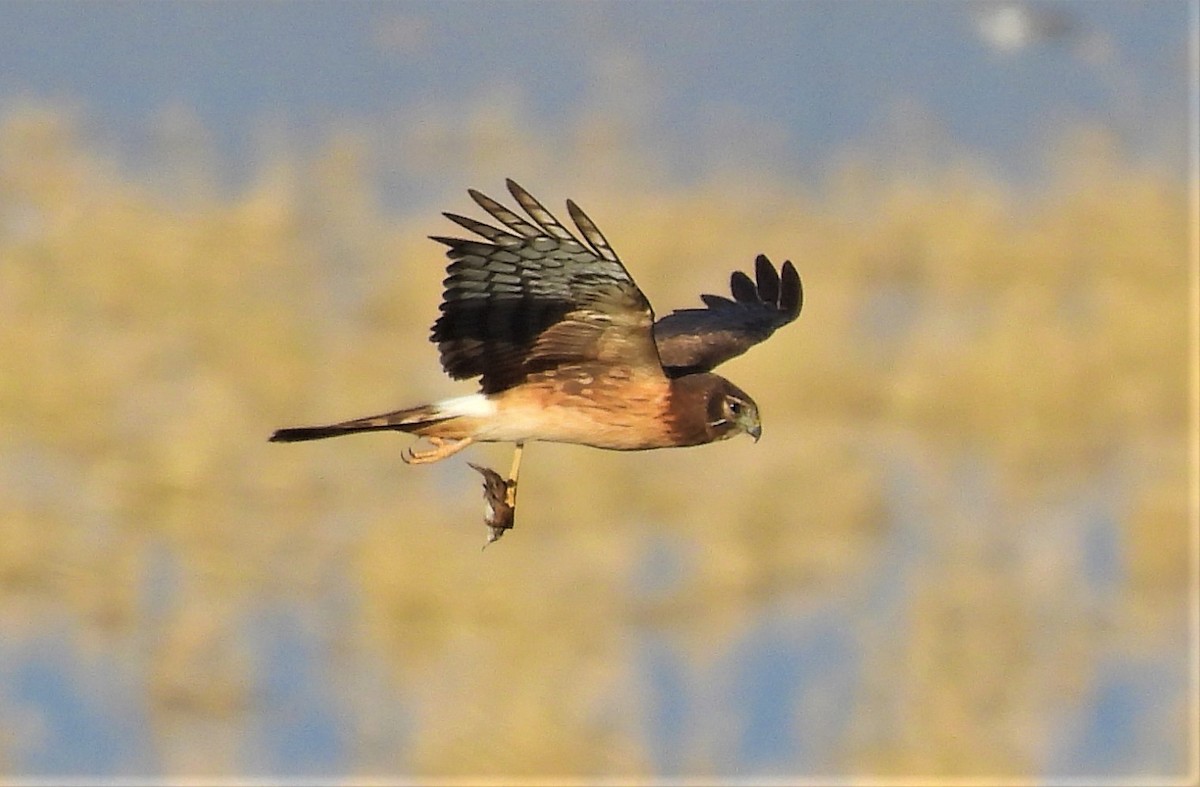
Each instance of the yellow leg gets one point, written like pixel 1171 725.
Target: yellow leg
pixel 442 448
pixel 510 496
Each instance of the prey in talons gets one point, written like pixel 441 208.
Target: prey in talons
pixel 500 495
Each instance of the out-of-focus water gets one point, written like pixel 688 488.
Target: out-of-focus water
pixel 815 671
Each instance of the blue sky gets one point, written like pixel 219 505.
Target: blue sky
pixel 766 84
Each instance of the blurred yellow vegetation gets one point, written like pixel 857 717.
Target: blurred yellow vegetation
pixel 152 341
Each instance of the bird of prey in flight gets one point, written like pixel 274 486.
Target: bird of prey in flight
pixel 566 349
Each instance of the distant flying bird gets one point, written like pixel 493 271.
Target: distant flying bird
pixel 567 349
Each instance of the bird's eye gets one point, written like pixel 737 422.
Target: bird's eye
pixel 735 407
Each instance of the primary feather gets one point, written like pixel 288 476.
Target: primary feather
pixel 697 340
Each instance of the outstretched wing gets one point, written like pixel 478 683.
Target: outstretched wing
pixel 696 340
pixel 533 297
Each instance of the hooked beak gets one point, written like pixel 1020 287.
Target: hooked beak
pixel 750 424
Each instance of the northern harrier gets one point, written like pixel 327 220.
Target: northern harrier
pixel 567 349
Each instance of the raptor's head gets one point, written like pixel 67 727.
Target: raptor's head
pixel 707 407
pixel 731 410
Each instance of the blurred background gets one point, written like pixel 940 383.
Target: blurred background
pixel 961 548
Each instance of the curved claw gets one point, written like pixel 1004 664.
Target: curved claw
pixel 442 448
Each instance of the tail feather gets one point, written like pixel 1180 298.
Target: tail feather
pixel 410 420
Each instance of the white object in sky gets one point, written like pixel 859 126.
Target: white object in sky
pixel 1010 27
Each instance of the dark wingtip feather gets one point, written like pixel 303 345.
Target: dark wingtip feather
pixel 464 221
pixel 716 301
pixel 791 294
pixel 768 280
pixel 743 289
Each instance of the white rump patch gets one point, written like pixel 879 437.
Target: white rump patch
pixel 474 405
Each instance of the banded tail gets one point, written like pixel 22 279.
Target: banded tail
pixel 415 420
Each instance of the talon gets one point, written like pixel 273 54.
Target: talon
pixel 442 448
